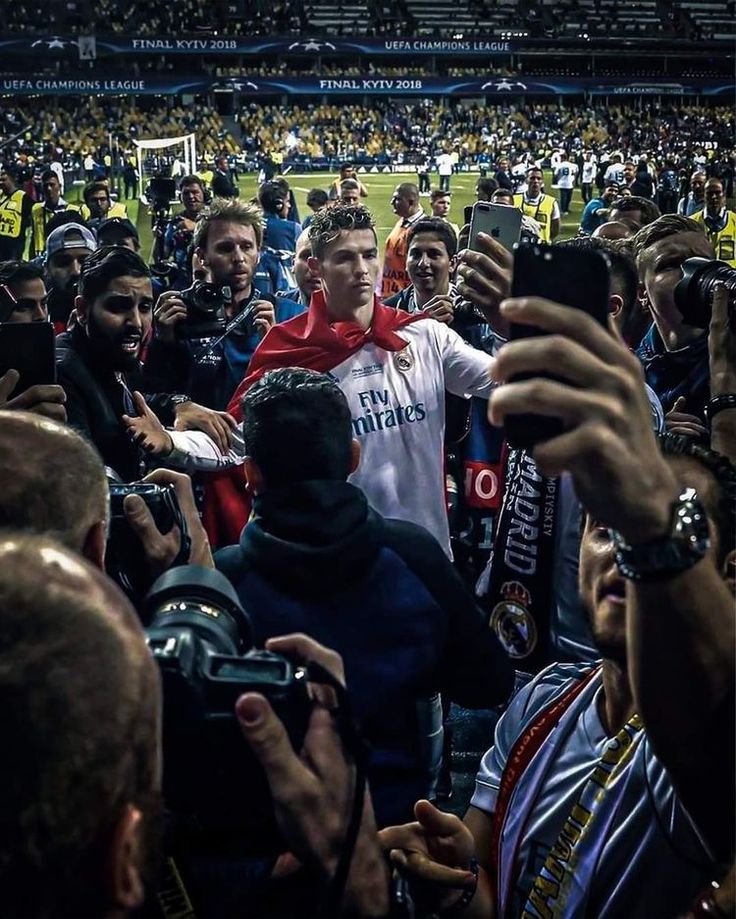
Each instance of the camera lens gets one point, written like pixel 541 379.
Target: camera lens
pixel 694 291
pixel 202 600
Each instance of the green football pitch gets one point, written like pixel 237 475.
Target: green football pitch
pixel 380 187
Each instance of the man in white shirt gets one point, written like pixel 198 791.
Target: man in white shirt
pixel 445 165
pixel 565 176
pixel 590 167
pixel 615 171
pixel 393 367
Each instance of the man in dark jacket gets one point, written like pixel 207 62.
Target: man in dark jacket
pixel 98 362
pixel 317 558
pixel 222 182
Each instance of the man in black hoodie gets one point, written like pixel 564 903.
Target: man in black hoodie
pixel 316 558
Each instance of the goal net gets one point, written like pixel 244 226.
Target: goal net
pixel 170 156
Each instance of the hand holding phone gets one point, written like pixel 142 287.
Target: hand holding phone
pixel 572 277
pixel 499 221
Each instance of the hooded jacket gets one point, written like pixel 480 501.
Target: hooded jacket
pixel 318 559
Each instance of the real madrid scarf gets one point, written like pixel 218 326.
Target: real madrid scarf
pixel 518 578
pixel 310 341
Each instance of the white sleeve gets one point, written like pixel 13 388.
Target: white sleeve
pixel 555 210
pixel 195 451
pixel 467 370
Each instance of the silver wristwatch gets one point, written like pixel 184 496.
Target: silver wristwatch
pixel 686 543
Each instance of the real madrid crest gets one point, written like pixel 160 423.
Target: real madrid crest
pixel 513 623
pixel 404 359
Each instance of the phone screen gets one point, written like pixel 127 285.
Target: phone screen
pixel 29 348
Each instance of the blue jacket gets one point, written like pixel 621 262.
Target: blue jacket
pixel 317 559
pixel 672 374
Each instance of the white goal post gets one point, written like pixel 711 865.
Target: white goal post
pixel 187 156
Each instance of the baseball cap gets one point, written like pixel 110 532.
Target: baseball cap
pixel 68 236
pixel 117 227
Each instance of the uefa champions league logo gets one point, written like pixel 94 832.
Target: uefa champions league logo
pixel 54 43
pixel 503 85
pixel 312 45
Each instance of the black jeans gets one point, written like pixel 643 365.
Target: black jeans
pixel 565 199
pixel 444 183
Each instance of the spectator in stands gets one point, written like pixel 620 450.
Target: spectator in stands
pixel 67 247
pixel 98 361
pixel 118 231
pixel 15 215
pixel 429 262
pixel 540 207
pixel 405 204
pixel 718 222
pixel 440 203
pixel 519 804
pixel 595 212
pixel 633 211
pixel 228 239
pixel 301 448
pixel 349 192
pixel 674 354
pixel 43 211
pixel 278 233
pixel 22 293
pixel 695 199
pixel 222 183
pixel 316 198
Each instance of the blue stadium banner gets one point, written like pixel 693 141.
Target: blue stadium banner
pixel 253 85
pixel 53 45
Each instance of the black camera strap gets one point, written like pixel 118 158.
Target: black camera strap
pixel 358 749
pixel 238 320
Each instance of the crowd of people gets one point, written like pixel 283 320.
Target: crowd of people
pixel 295 492
pixel 254 17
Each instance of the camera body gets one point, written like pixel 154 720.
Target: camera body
pixel 125 561
pixel 200 637
pixel 205 303
pixel 694 291
pixel 161 192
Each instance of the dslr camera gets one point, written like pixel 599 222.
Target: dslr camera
pixel 125 560
pixel 201 638
pixel 694 291
pixel 205 303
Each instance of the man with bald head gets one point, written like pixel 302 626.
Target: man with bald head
pixel 405 204
pixel 77 820
pixel 80 793
pixel 63 494
pixel 306 280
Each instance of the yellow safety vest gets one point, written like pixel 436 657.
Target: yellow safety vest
pixel 40 216
pixel 116 210
pixel 724 241
pixel 541 212
pixel 11 214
